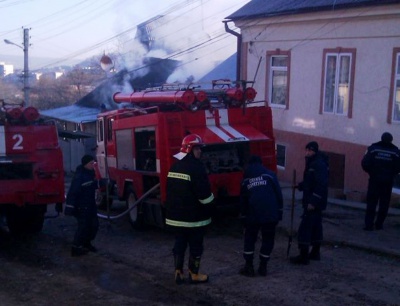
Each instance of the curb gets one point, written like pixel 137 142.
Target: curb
pixel 361 206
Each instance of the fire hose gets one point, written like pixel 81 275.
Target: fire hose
pixel 138 201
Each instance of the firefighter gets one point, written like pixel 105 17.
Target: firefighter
pixel 261 209
pixel 382 162
pixel 81 204
pixel 188 207
pixel 315 196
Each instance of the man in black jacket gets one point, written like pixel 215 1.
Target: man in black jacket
pixel 261 209
pixel 188 207
pixel 382 162
pixel 315 196
pixel 81 204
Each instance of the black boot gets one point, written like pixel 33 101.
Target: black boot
pixel 194 276
pixel 262 268
pixel 78 251
pixel 378 226
pixel 248 269
pixel 90 247
pixel 302 258
pixel 179 278
pixel 315 252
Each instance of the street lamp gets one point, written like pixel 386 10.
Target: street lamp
pixel 26 69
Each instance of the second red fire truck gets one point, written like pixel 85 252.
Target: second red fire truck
pixel 31 168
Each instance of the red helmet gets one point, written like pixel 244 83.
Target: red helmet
pixel 191 141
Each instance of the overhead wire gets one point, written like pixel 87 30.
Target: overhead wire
pixel 195 44
pixel 109 39
pixel 172 9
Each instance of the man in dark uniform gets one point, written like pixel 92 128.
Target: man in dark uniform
pixel 315 196
pixel 261 209
pixel 188 207
pixel 81 203
pixel 382 162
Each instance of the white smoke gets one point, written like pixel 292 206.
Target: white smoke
pixel 190 31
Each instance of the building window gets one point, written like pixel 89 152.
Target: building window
pixel 394 106
pixel 278 78
pixel 338 80
pixel 281 156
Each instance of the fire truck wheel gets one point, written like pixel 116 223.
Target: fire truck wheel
pixel 135 214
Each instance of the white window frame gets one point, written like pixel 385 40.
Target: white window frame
pixel 336 96
pixel 396 91
pixel 273 69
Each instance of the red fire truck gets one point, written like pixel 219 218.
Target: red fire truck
pixel 31 168
pixel 136 143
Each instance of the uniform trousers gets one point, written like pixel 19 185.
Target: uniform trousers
pixel 378 192
pixel 310 229
pixel 88 225
pixel 189 236
pixel 250 238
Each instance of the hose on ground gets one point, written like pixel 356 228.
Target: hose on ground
pixel 143 197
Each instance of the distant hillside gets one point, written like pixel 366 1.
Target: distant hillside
pixel 35 62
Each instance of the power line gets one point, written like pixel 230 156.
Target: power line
pixel 177 7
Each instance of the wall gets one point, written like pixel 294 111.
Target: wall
pixel 306 41
pixel 355 179
pixel 373 32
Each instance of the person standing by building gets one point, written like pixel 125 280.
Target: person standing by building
pixel 261 204
pixel 382 163
pixel 188 207
pixel 81 204
pixel 315 195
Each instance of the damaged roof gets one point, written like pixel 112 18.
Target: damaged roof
pixel 86 109
pixel 73 113
pixel 225 70
pixel 270 8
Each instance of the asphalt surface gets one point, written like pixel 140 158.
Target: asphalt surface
pixel 343 224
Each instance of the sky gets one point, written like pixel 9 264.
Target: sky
pixel 62 31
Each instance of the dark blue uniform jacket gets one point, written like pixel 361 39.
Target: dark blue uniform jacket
pixel 315 181
pixel 382 162
pixel 82 192
pixel 261 196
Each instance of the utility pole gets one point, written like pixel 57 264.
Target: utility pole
pixel 26 67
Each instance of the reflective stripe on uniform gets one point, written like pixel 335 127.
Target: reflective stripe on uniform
pixel 179 176
pixel 208 200
pixel 88 183
pixel 248 253
pixel 187 224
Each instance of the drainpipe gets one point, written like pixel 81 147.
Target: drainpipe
pixel 239 48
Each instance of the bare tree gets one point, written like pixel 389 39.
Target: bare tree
pixel 10 92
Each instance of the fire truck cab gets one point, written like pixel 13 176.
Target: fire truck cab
pixel 136 143
pixel 31 168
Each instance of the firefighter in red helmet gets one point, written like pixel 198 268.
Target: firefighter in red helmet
pixel 188 207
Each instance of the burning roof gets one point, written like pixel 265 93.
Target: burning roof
pixel 86 109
